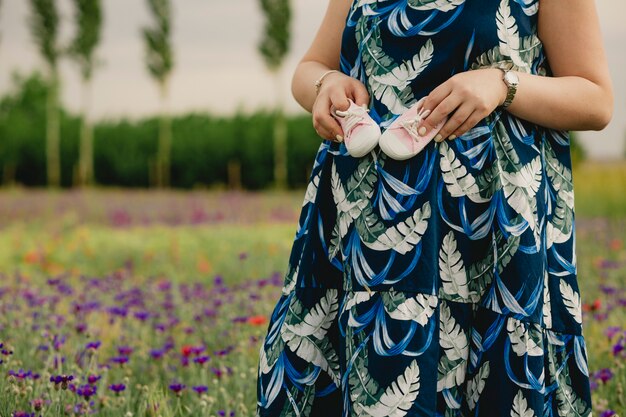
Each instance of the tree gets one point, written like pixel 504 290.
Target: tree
pixel 273 47
pixel 44 23
pixel 159 61
pixel 88 18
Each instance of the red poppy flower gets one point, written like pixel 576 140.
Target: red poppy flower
pixel 186 350
pixel 257 320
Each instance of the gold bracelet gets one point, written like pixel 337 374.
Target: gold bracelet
pixel 318 82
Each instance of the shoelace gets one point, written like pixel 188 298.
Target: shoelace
pixel 352 117
pixel 411 125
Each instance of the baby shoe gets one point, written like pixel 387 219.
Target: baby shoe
pixel 401 139
pixel 360 131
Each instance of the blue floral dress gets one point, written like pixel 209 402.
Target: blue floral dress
pixel 445 284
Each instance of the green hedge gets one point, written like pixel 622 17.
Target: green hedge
pixel 202 145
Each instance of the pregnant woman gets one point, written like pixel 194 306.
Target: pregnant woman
pixel 433 271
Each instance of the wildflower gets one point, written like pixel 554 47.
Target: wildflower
pixel 141 315
pixel 120 359
pixel 200 389
pixel 125 350
pixel 257 320
pixel 607 413
pixel 611 331
pixel 92 379
pixel 618 348
pixel 186 350
pixel 595 306
pixel 218 372
pixel 608 290
pixel 86 391
pixel 224 352
pixel 218 280
pixel 117 388
pixel 93 345
pixel 58 342
pixel 157 353
pixel 177 388
pixel 603 375
pixel 201 360
pixel 23 414
pixel 21 374
pixel 38 404
pixel 61 381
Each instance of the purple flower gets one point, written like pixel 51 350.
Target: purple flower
pixel 201 360
pixel 86 391
pixel 607 413
pixel 23 414
pixel 93 345
pixel 142 315
pixel 200 389
pixel 603 375
pixel 92 379
pixel 177 388
pixel 608 290
pixel 60 381
pixel 58 341
pixel 21 374
pixel 611 331
pixel 157 353
pixel 120 359
pixel 125 350
pixel 117 388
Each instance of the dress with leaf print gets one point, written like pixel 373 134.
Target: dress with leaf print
pixel 445 284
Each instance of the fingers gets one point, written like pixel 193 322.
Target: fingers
pixel 324 123
pixel 339 100
pixel 337 97
pixel 455 120
pixel 439 113
pixel 359 94
pixel 469 123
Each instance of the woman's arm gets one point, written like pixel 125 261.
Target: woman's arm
pixel 578 97
pixel 323 54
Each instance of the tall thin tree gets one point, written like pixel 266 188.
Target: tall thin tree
pixel 273 47
pixel 159 60
pixel 88 18
pixel 44 25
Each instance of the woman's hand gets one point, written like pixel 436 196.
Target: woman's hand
pixel 333 94
pixel 465 98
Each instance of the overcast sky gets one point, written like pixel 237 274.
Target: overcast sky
pixel 217 65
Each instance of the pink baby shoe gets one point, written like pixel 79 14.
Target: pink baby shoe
pixel 401 139
pixel 360 131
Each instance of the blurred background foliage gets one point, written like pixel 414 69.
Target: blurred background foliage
pixel 207 151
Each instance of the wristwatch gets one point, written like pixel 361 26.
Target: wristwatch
pixel 511 80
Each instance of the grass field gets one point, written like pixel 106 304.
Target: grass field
pixel 155 303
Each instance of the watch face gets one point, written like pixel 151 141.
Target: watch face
pixel 511 78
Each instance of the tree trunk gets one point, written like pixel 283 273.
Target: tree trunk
pixel 53 134
pixel 234 174
pixel 85 169
pixel 280 137
pixel 165 140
